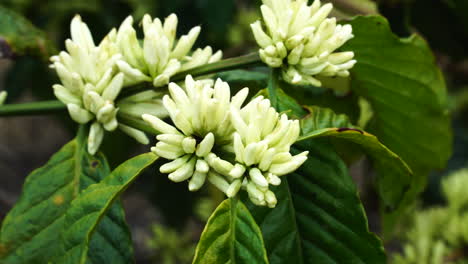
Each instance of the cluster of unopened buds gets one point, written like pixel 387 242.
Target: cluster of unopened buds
pixel 92 77
pixel 217 139
pixel 212 136
pixel 302 41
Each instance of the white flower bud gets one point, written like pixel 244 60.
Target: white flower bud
pixel 218 181
pixel 65 95
pixel 174 139
pixel 135 133
pixel 237 171
pixel 267 159
pixel 96 134
pixel 258 178
pixel 197 181
pixel 205 146
pixel 216 57
pixel 112 90
pixel 189 144
pixel 202 166
pixel 261 37
pixel 132 75
pixel 256 196
pixel 273 179
pixel 111 125
pixel 284 168
pixel 185 43
pixel 174 165
pixel 79 114
pixel 183 173
pixel 294 41
pixel 106 113
pixel 159 125
pixel 234 188
pixel 295 55
pixel 270 199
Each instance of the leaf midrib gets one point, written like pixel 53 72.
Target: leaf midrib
pixel 292 214
pixel 232 220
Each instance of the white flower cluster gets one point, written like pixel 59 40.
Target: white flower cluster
pixel 261 144
pixel 215 138
pixel 160 56
pixel 90 81
pixel 302 41
pixel 93 76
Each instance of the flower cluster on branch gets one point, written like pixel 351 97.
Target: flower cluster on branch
pixel 302 41
pixel 217 139
pixel 93 76
pixel 211 136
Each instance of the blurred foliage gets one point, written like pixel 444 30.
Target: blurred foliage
pixel 440 234
pixel 18 36
pixel 171 246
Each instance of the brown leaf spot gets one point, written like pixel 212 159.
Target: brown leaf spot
pixel 95 164
pixel 58 200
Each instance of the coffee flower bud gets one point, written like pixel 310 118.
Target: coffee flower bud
pixel 90 81
pixel 262 142
pixel 148 102
pixel 302 41
pixel 202 129
pixel 160 55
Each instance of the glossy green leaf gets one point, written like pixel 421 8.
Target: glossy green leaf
pixel 30 232
pixel 286 103
pixel 319 217
pixel 87 210
pixel 346 103
pixel 400 79
pixel 394 175
pixel 19 37
pixel 231 236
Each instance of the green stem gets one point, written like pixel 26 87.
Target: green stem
pixel 273 87
pixel 47 107
pixel 35 108
pixel 356 7
pixel 251 59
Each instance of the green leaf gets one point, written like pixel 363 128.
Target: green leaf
pixel 319 217
pixel 30 232
pixel 87 210
pixel 19 37
pixel 325 97
pixel 394 175
pixel 286 103
pixel 406 90
pixel 231 236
